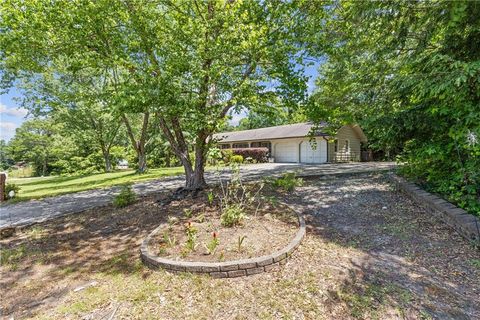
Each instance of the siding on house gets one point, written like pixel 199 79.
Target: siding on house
pixel 352 154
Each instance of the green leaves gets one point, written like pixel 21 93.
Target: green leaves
pixel 408 72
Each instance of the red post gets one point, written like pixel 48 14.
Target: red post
pixel 3 178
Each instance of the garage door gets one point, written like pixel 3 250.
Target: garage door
pixel 309 153
pixel 286 152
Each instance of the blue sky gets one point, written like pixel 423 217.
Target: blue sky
pixel 310 71
pixel 12 115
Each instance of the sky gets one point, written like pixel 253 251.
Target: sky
pixel 12 115
pixel 310 71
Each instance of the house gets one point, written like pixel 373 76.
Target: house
pixel 293 143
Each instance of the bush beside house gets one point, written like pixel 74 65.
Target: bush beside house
pixel 258 155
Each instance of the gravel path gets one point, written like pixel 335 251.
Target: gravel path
pixel 25 213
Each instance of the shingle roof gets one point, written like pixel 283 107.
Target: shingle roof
pixel 279 132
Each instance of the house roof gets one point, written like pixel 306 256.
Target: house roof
pixel 296 130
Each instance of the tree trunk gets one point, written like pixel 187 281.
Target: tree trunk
pixel 196 181
pixel 142 161
pixel 106 158
pixel 139 146
pixel 44 167
pixel 167 159
pixel 108 164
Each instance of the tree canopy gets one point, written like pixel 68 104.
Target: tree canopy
pixel 187 63
pixel 409 72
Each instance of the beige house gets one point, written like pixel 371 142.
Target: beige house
pixel 293 143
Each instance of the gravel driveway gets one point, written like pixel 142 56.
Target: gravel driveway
pixel 34 211
pixel 387 256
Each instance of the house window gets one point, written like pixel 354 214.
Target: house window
pixel 240 145
pixel 347 145
pixel 335 145
pixel 225 146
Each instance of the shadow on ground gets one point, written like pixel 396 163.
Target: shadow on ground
pixel 370 252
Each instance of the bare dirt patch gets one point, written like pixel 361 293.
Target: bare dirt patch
pixel 267 227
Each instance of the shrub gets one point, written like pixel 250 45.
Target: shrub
pixel 125 197
pixel 11 187
pixel 236 198
pixel 236 159
pixel 227 155
pixel 259 155
pixel 232 215
pixel 214 155
pixel 288 181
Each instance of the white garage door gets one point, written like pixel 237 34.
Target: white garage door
pixel 286 152
pixel 309 153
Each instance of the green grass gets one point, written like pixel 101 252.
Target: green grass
pixel 39 187
pixel 11 257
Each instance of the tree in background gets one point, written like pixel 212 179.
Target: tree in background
pixel 38 142
pixel 5 159
pixel 191 64
pixel 408 72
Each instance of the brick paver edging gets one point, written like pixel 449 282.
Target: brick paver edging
pixel 227 269
pixel 464 223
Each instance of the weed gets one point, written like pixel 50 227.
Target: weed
pixel 191 232
pixel 11 257
pixel 68 270
pixel 221 257
pixel 212 245
pixel 9 187
pixel 475 263
pixel 210 198
pixel 232 215
pixel 235 198
pixel 168 240
pixel 187 213
pixel 36 232
pixel 201 218
pixel 125 197
pixel 288 181
pixel 240 242
pixel 271 200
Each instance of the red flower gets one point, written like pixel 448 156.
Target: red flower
pixel 214 235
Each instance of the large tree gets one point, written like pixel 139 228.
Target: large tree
pixel 409 72
pixel 190 62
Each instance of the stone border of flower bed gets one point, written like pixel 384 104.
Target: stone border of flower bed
pixel 464 223
pixel 227 269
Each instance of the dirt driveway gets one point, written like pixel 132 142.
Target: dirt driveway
pixel 370 253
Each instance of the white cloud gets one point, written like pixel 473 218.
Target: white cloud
pixel 236 117
pixel 7 130
pixel 14 112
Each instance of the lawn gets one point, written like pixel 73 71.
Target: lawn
pixel 39 187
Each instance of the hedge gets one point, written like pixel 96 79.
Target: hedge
pixel 257 154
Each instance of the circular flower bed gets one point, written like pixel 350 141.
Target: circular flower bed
pixel 225 269
pixel 225 238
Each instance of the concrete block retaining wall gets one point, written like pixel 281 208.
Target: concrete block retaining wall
pixel 464 223
pixel 227 269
